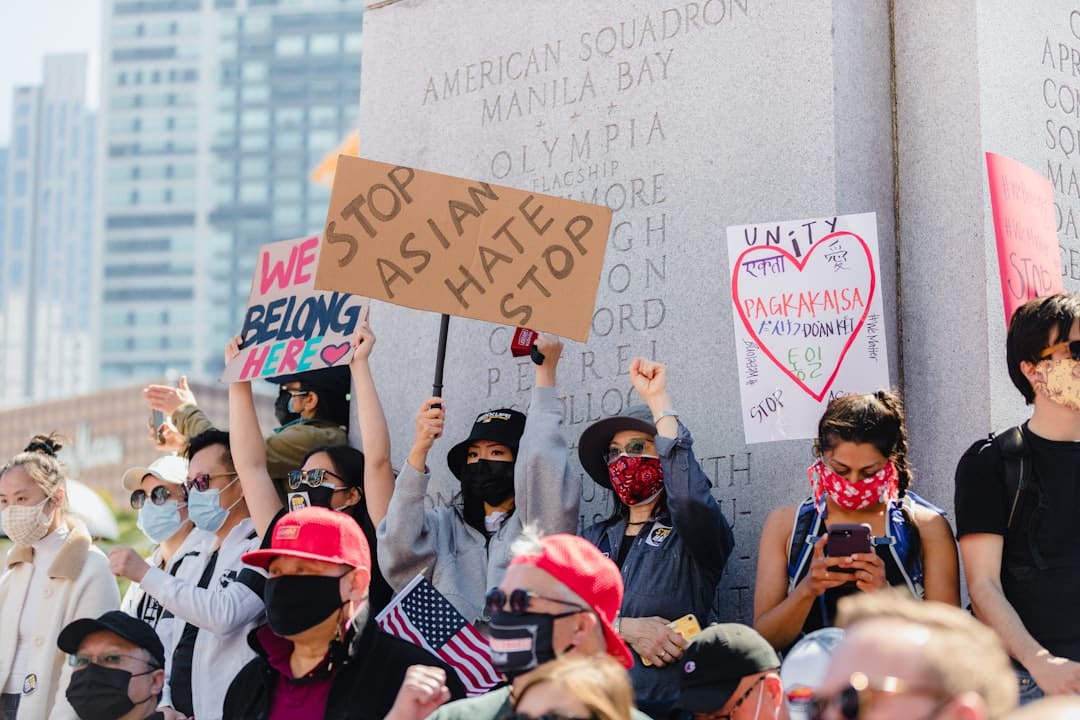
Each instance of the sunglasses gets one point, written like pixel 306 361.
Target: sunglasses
pixel 312 478
pixel 293 392
pixel 201 482
pixel 519 601
pixel 855 700
pixel 1074 349
pixel 738 703
pixel 159 496
pixel 635 448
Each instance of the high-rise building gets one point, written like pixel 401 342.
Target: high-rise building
pixel 46 246
pixel 214 111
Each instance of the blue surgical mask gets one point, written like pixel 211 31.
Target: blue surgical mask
pixel 160 522
pixel 204 508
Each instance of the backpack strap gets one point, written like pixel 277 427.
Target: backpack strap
pixel 1014 451
pixel 804 533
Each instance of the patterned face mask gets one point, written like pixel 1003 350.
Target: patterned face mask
pixel 878 488
pixel 635 478
pixel 26 524
pixel 1062 383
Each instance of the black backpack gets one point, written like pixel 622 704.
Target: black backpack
pixel 1013 449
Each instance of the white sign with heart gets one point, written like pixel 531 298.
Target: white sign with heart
pixel 809 323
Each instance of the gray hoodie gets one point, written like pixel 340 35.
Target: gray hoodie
pixel 458 559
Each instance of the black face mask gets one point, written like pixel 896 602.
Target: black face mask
pixel 281 409
pixel 295 603
pixel 312 497
pixel 521 642
pixel 489 480
pixel 101 693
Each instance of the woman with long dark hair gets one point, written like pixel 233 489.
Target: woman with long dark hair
pixel 860 474
pixel 339 477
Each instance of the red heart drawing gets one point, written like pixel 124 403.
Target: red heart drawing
pixel 782 293
pixel 332 353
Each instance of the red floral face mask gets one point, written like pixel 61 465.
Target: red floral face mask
pixel 879 487
pixel 635 478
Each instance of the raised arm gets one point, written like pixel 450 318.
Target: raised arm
pixel 374 434
pixel 694 510
pixel 546 490
pixel 249 451
pixel 408 535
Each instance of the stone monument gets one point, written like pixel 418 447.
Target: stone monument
pixel 685 117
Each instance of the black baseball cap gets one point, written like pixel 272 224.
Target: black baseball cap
pixel 716 662
pixel 130 628
pixel 333 380
pixel 504 426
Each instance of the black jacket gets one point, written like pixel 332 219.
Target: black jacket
pixel 365 685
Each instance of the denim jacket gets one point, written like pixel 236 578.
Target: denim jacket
pixel 676 560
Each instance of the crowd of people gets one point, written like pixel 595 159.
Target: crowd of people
pixel 274 555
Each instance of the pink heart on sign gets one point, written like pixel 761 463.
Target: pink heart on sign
pixel 786 311
pixel 332 353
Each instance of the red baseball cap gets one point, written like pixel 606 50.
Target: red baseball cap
pixel 580 566
pixel 316 533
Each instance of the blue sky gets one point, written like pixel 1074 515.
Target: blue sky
pixel 31 29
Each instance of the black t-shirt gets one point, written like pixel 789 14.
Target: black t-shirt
pixel 1041 556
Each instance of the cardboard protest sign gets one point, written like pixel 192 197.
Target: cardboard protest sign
pixel 289 326
pixel 1029 260
pixel 463 247
pixel 808 320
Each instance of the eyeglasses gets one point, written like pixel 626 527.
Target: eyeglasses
pixel 519 602
pixel 312 478
pixel 738 703
pixel 855 699
pixel 159 496
pixel 201 482
pixel 109 660
pixel 1074 349
pixel 634 448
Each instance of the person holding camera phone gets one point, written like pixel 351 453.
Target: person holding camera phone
pixel 666 533
pixel 860 477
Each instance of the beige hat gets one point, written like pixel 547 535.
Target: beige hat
pixel 167 468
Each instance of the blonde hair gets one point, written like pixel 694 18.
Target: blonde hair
pixel 961 655
pixel 599 683
pixel 40 463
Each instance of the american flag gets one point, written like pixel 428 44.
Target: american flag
pixel 421 615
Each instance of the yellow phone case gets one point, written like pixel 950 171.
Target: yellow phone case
pixel 687 626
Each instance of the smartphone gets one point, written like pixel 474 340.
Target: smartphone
pixel 156 418
pixel 687 626
pixel 847 539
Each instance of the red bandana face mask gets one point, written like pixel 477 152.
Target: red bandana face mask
pixel 635 478
pixel 880 487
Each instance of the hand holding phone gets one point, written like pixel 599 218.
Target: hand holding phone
pixel 846 539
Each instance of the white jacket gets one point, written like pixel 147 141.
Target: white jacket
pixel 187 563
pixel 225 611
pixel 80 585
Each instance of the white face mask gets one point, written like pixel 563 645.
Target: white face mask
pixel 1062 382
pixel 26 524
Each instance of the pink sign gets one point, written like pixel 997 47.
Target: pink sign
pixel 1027 244
pixel 289 326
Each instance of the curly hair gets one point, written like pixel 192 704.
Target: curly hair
pixel 875 418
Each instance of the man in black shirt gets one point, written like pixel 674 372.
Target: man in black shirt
pixel 1020 538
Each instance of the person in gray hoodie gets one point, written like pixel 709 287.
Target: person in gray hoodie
pixel 513 471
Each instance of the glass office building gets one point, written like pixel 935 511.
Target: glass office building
pixel 47 239
pixel 214 112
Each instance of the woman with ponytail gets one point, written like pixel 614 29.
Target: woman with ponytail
pixel 51 576
pixel 859 475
